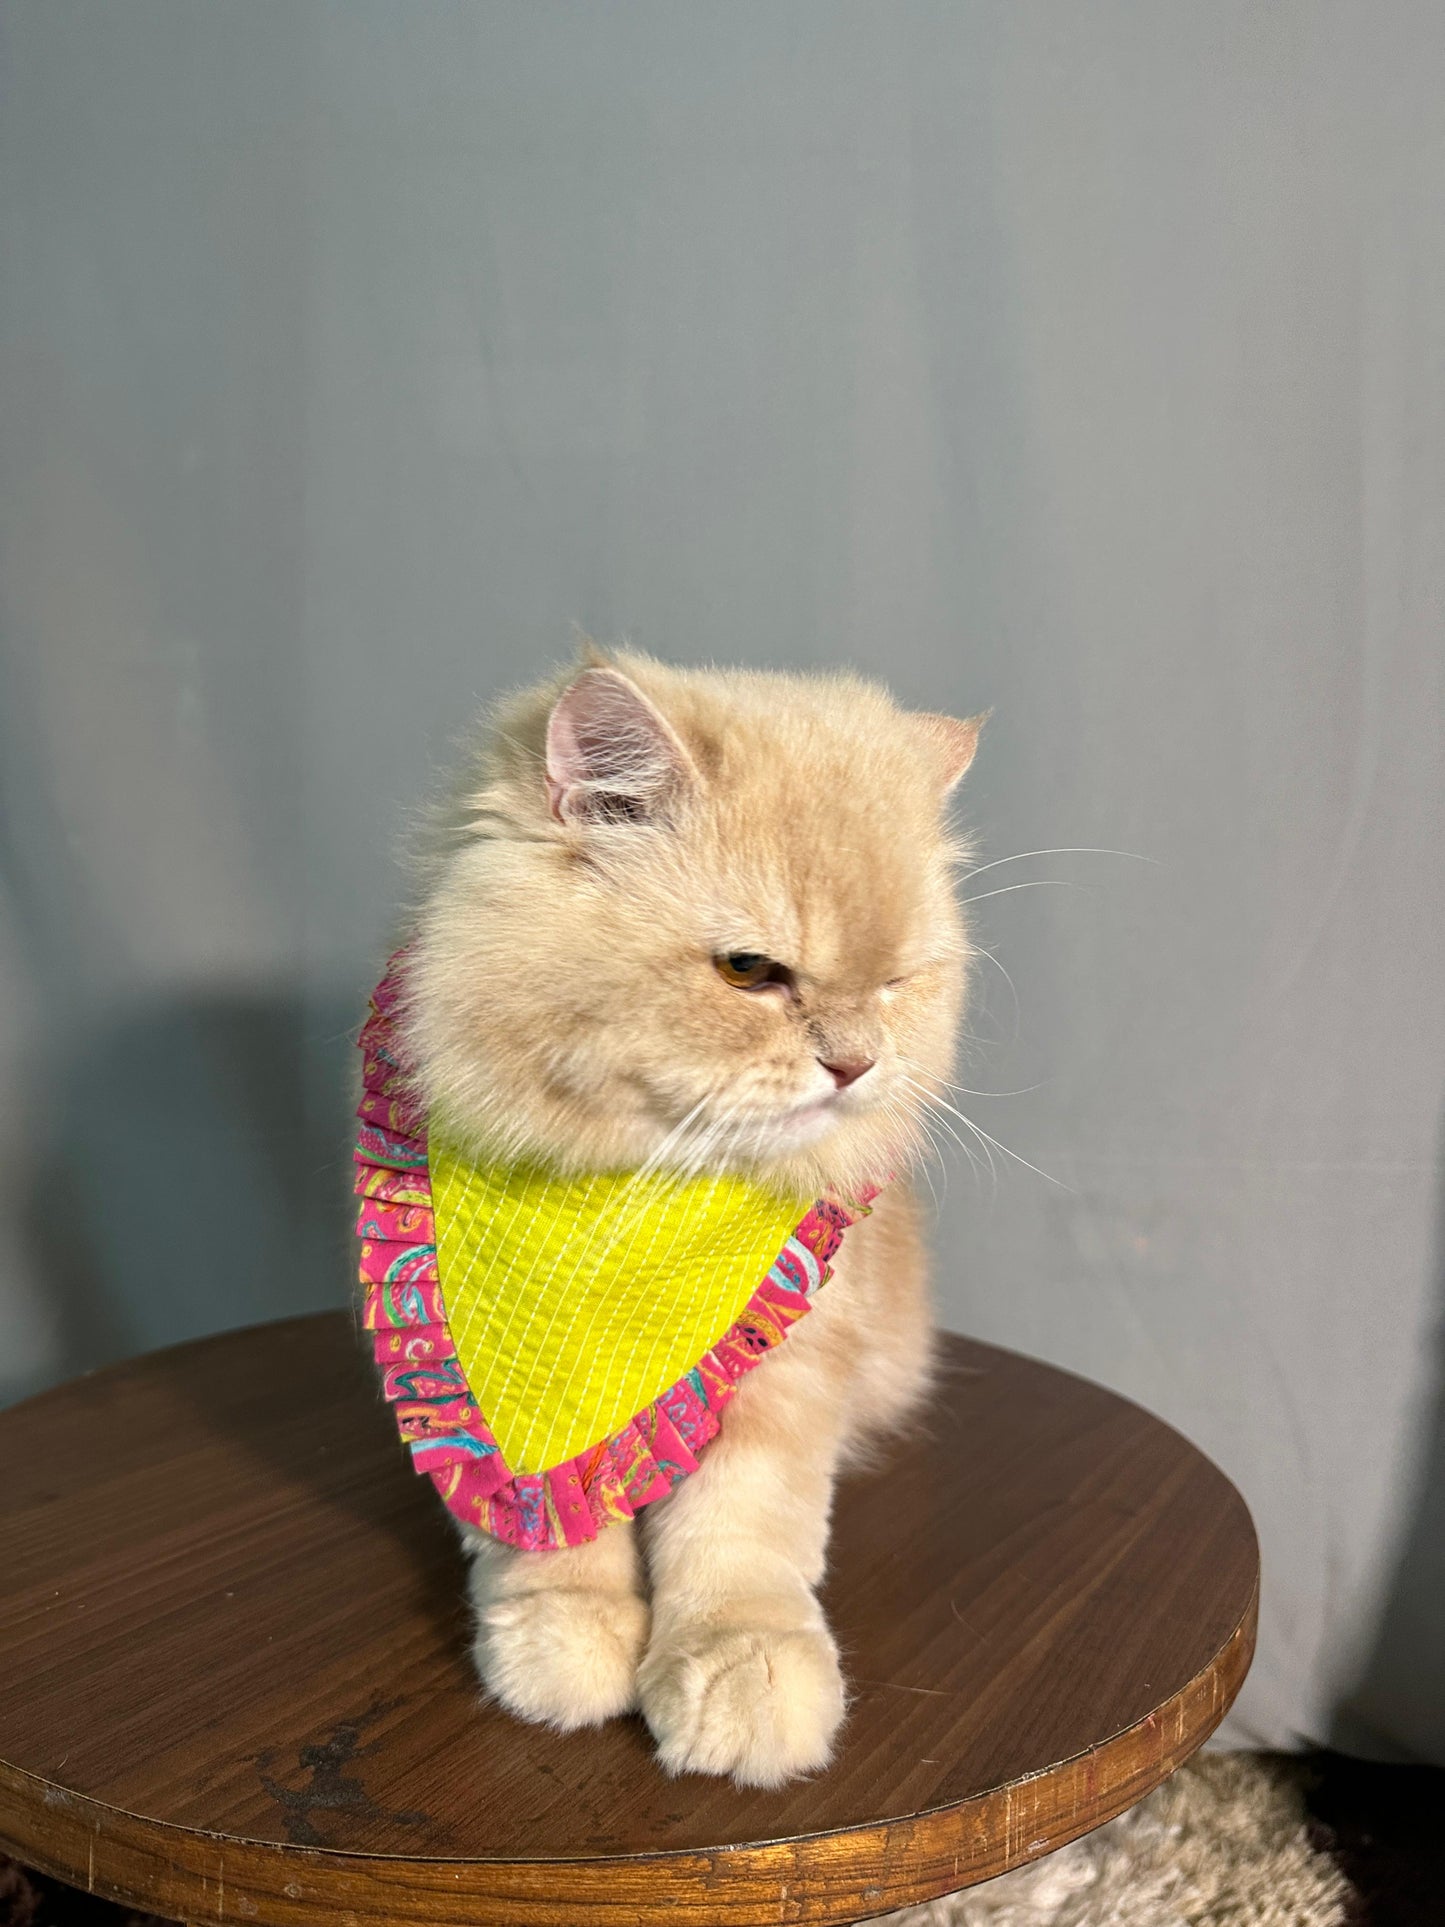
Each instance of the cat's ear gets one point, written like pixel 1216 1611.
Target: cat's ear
pixel 611 756
pixel 956 740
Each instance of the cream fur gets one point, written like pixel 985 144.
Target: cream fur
pixel 625 825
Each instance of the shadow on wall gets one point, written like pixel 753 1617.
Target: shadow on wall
pixel 1400 1689
pixel 196 1178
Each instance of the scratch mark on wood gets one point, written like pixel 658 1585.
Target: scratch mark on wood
pixel 893 1686
pixel 953 1608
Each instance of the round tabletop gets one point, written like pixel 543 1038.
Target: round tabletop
pixel 235 1685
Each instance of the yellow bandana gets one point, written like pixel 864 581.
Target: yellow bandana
pixel 573 1302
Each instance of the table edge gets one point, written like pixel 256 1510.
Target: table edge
pixel 877 1865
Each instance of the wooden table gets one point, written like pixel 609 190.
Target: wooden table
pixel 234 1681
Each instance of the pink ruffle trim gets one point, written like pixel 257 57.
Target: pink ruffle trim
pixel 422 1376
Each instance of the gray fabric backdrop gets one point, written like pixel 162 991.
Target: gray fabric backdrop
pixel 1081 359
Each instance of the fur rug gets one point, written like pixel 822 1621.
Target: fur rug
pixel 1225 1843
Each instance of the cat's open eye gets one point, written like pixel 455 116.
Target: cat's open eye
pixel 748 970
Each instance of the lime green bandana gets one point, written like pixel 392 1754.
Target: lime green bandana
pixel 573 1302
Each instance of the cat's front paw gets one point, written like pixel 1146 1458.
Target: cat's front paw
pixel 563 1657
pixel 759 1703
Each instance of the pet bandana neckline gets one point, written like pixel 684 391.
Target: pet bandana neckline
pixel 542 1414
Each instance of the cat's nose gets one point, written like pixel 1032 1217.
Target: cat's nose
pixel 848 1070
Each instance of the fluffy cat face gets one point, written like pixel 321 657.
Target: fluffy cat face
pixel 700 917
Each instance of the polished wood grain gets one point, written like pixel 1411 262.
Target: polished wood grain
pixel 234 1681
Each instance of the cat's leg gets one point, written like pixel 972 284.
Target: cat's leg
pixel 741 1674
pixel 559 1634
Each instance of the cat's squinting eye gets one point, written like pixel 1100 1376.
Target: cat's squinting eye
pixel 747 970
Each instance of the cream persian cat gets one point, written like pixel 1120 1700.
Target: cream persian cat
pixel 710 914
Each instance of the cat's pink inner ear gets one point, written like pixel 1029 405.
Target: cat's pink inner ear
pixel 957 739
pixel 611 756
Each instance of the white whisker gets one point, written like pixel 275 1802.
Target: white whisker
pixel 915 1146
pixel 1019 857
pixel 944 1125
pixel 1038 883
pixel 927 1120
pixel 1013 992
pixel 966 1089
pixel 983 1135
